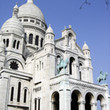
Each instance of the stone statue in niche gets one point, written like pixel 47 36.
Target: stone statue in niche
pixel 62 64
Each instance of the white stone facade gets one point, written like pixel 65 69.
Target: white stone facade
pixel 40 73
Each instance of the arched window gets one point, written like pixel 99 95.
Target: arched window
pixel 18 45
pixel 37 40
pixel 38 103
pixel 41 42
pixel 25 95
pixel 35 104
pixel 71 65
pixel 4 41
pixel 80 73
pixel 7 44
pixel 14 43
pixel 25 37
pixel 30 38
pixel 12 94
pixel 58 59
pixel 55 101
pixel 19 92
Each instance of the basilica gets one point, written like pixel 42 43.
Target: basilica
pixel 38 72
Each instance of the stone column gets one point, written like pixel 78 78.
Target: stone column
pixel 75 69
pixel 93 106
pixel 81 105
pixel 65 99
pixel 27 38
pixel 33 39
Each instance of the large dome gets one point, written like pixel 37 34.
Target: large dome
pixel 30 10
pixel 13 24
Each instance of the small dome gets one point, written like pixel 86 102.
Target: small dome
pixel 30 10
pixel 49 30
pixel 13 24
pixel 85 47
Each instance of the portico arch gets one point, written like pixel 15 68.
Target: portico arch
pixel 76 97
pixel 100 102
pixel 55 101
pixel 89 99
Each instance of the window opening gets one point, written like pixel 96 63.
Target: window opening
pixel 19 92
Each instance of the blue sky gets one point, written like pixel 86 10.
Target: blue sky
pixel 91 24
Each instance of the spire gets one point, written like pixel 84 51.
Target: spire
pixel 29 1
pixel 15 10
pixel 49 30
pixel 85 46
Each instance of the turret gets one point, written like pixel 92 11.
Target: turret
pixel 86 50
pixel 49 48
pixel 70 37
pixel 88 65
pixel 49 40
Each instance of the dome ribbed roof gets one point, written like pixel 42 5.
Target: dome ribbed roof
pixel 30 10
pixel 13 24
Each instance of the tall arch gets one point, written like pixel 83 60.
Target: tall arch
pixel 37 40
pixel 25 95
pixel 7 44
pixel 55 101
pixel 75 99
pixel 30 38
pixel 89 99
pixel 4 41
pixel 71 65
pixel 18 44
pixel 14 43
pixel 25 36
pixel 12 94
pixel 19 92
pixel 80 71
pixel 41 45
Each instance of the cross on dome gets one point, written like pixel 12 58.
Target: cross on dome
pixel 29 1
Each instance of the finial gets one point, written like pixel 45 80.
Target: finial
pixel 84 42
pixel 15 10
pixel 70 26
pixel 29 1
pixel 64 27
pixel 49 25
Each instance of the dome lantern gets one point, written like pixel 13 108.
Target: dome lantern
pixel 29 1
pixel 15 11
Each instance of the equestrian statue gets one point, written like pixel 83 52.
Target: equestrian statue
pixel 102 77
pixel 62 65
